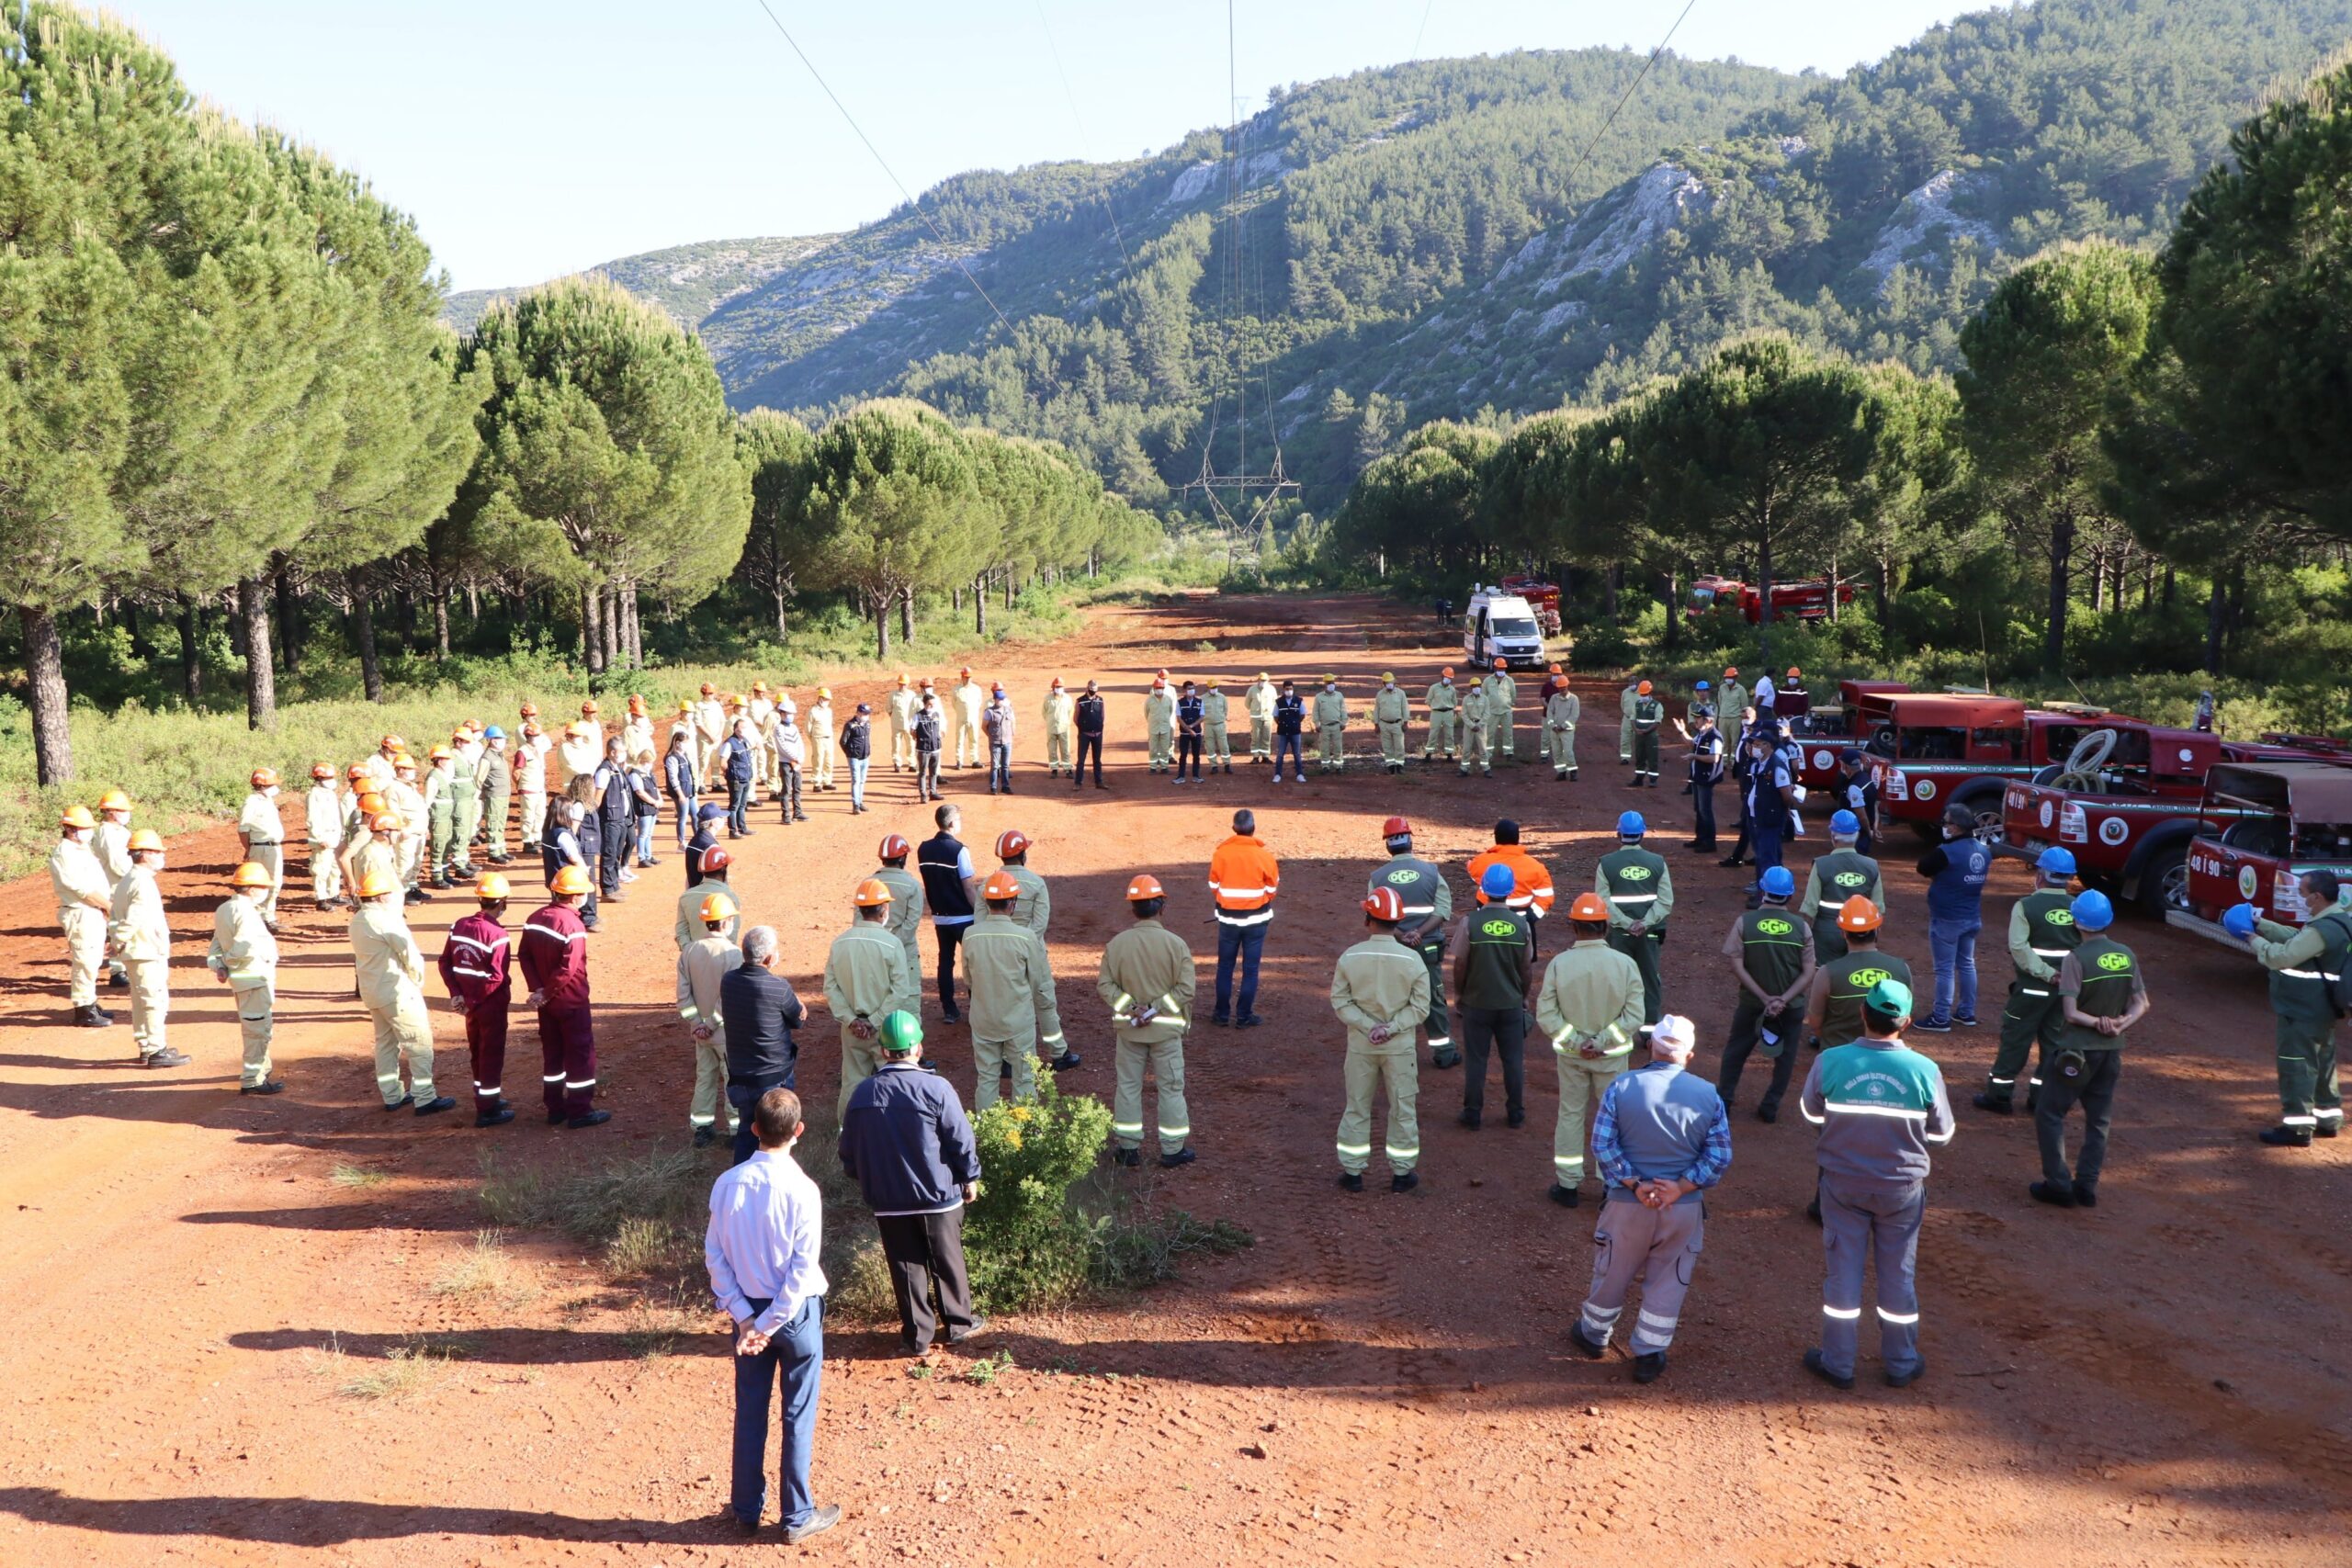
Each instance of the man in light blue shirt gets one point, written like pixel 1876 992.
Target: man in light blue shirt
pixel 766 1225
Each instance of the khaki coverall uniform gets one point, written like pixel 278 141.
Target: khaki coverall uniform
pixel 1160 726
pixel 1217 747
pixel 1011 986
pixel 322 826
pixel 867 976
pixel 1591 1006
pixel 902 705
pixel 702 964
pixel 1380 981
pixel 84 902
pixel 1060 714
pixel 1625 701
pixel 689 928
pixel 1260 702
pixel 264 836
pixel 1560 715
pixel 1442 699
pixel 905 921
pixel 1148 966
pixel 1330 725
pixel 823 742
pixel 964 703
pixel 1502 695
pixel 391 986
pixel 141 939
pixel 1390 709
pixel 245 955
pixel 1473 730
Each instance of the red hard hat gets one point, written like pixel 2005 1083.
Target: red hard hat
pixel 716 858
pixel 1384 903
pixel 1396 827
pixel 1011 843
pixel 895 847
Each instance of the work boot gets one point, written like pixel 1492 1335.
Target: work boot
pixel 1445 1056
pixel 87 1016
pixel 1566 1197
pixel 2285 1138
pixel 1820 1368
pixel 119 979
pixel 819 1523
pixel 1181 1156
pixel 2057 1194
pixel 1577 1337
pixel 1065 1062
pixel 1516 1117
pixel 1648 1366
pixel 1904 1379
pixel 272 1086
pixel 498 1118
pixel 1351 1181
pixel 166 1057
pixel 590 1119
pixel 1404 1182
pixel 1998 1104
pixel 441 881
pixel 2329 1126
pixel 436 1105
pixel 1468 1118
pixel 1131 1159
pixel 704 1137
pixel 2086 1194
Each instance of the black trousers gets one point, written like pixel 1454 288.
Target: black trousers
pixel 1188 746
pixel 1505 1029
pixel 926 1256
pixel 1748 1022
pixel 926 775
pixel 950 938
pixel 2095 1091
pixel 1702 810
pixel 1088 744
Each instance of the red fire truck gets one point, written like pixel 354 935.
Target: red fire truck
pixel 1542 596
pixel 1934 751
pixel 1805 599
pixel 2280 820
pixel 1824 732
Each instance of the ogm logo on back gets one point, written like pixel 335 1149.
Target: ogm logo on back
pixel 2059 917
pixel 1500 928
pixel 1404 876
pixel 1635 873
pixel 1850 879
pixel 1773 925
pixel 1866 978
pixel 2115 963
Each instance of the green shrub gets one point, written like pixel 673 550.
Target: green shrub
pixel 1130 1252
pixel 1027 1243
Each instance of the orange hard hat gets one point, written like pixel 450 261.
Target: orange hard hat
pixel 636 703
pixel 1384 903
pixel 370 802
pixel 568 880
pixel 902 676
pixel 1643 690
pixel 589 708
pixel 378 882
pixel 530 710
pixel 1795 674
pixel 391 742
pixel 322 770
pixel 147 838
pixel 385 822
pixel 264 778
pixel 1731 669
pixel 1157 681
pixel 492 887
pixel 356 772
pixel 719 909
pixel 1000 886
pixel 114 800
pixel 249 875
pixel 895 847
pixel 1858 914
pixel 1396 827
pixel 531 731
pixel 1011 843
pixel 1057 683
pixel 966 671
pixel 870 892
pixel 76 815
pixel 709 689
pixel 1589 907
pixel 1556 670
pixel 441 753
pixel 716 858
pixel 1145 886
pixel 1447 672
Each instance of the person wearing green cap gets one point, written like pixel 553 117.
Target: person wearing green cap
pixel 1881 1108
pixel 908 1144
pixel 2102 994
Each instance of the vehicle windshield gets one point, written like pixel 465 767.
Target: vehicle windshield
pixel 1703 595
pixel 1512 626
pixel 1937 743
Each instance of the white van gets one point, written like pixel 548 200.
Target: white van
pixel 1500 630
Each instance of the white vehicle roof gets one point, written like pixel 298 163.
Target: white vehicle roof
pixel 1500 603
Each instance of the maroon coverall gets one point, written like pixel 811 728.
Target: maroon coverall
pixel 474 966
pixel 554 951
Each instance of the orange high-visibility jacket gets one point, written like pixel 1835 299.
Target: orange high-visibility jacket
pixel 1533 889
pixel 1243 875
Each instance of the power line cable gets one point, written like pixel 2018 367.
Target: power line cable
pixel 1102 186
pixel 885 162
pixel 1586 156
pixel 1424 27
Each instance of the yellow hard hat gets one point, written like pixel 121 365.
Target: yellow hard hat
pixel 492 887
pixel 114 800
pixel 249 875
pixel 871 892
pixel 147 838
pixel 570 879
pixel 826 693
pixel 76 816
pixel 378 882
pixel 1388 674
pixel 442 753
pixel 718 908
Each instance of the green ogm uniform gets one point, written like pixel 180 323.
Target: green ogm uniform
pixel 2034 1014
pixel 441 850
pixel 1648 714
pixel 1771 950
pixel 1851 976
pixel 2084 1064
pixel 1428 906
pixel 1837 877
pixel 1638 887
pixel 2309 1094
pixel 465 790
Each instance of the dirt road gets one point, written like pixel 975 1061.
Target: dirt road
pixel 192 1279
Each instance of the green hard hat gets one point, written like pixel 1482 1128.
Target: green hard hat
pixel 902 1032
pixel 1890 999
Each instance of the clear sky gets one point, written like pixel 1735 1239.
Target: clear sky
pixel 532 138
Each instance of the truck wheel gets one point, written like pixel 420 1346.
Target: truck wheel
pixel 2164 881
pixel 1986 806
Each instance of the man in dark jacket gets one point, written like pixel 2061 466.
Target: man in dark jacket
pixel 906 1141
pixel 736 767
pixel 762 1012
pixel 678 783
pixel 1089 736
pixel 857 745
pixel 1290 721
pixel 931 733
pixel 615 818
pixel 707 816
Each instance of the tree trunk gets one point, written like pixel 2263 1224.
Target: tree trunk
pixel 1011 589
pixel 881 628
pixel 1673 614
pixel 407 604
pixel 440 622
pixel 1883 591
pixel 289 621
pixel 906 616
pixel 2169 586
pixel 2213 627
pixel 136 624
pixel 612 629
pixel 473 603
pixel 979 606
pixel 956 600
pixel 1764 570
pixel 191 654
pixel 635 630
pixel 1611 586
pixel 591 636
pixel 2062 552
pixel 261 681
pixel 362 637
pixel 45 686
pixel 782 631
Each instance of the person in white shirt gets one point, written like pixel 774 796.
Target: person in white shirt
pixel 323 813
pixel 766 1227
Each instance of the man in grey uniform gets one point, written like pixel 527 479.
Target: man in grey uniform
pixel 1428 910
pixel 1880 1106
pixel 1661 1139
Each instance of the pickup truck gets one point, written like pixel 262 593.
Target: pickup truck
pixel 1824 732
pixel 2283 819
pixel 1933 750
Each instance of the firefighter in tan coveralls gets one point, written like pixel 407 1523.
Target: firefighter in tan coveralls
pixel 1561 711
pixel 1625 701
pixel 868 977
pixel 1259 701
pixel 902 705
pixel 1390 709
pixel 391 986
pixel 140 937
pixel 1474 731
pixel 1442 699
pixel 1146 981
pixel 1217 739
pixel 84 899
pixel 1060 714
pixel 244 955
pixel 264 834
pixel 702 964
pixel 1591 1006
pixel 1330 724
pixel 1381 991
pixel 322 830
pixel 905 919
pixel 1011 986
pixel 1034 908
pixel 1502 696
pixel 970 746
pixel 111 844
pixel 1160 722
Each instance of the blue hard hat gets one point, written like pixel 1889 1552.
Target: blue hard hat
pixel 2055 862
pixel 1631 826
pixel 1704 686
pixel 1497 882
pixel 1777 882
pixel 494 733
pixel 1844 822
pixel 2092 911
pixel 2238 920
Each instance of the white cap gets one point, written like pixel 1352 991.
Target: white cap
pixel 1675 1031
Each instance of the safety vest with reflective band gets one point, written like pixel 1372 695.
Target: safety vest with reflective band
pixel 1497 975
pixel 1772 948
pixel 2303 993
pixel 2052 934
pixel 1244 877
pixel 1850 979
pixel 1841 875
pixel 2109 974
pixel 1633 876
pixel 1648 714
pixel 1420 884
pixel 1878 1099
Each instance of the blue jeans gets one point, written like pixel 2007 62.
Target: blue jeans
pixel 738 806
pixel 1290 743
pixel 1765 832
pixel 645 839
pixel 857 766
pixel 1953 943
pixel 1247 942
pixel 685 804
pixel 1000 767
pixel 796 1355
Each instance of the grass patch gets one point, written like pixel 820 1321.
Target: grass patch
pixel 651 1248
pixel 487 1272
pixel 984 1372
pixel 407 1369
pixel 357 1177
pixel 1132 1251
pixel 592 1203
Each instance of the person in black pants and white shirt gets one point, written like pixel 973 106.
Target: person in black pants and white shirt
pixel 1089 736
pixel 767 1224
pixel 950 891
pixel 1192 718
pixel 906 1142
